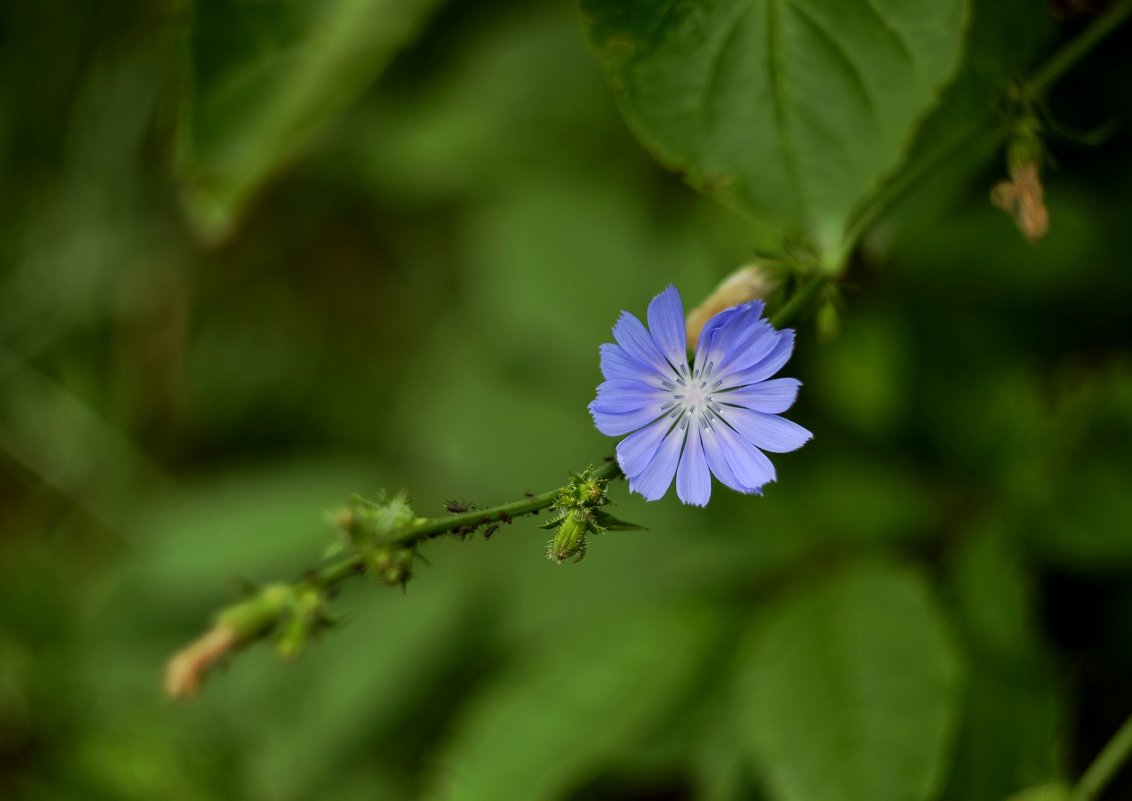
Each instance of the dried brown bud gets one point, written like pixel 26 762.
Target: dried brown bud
pixel 1023 198
pixel 188 668
pixel 746 283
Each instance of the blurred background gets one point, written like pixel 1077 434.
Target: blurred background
pixel 255 257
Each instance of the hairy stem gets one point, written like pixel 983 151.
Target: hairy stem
pixel 263 614
pixel 335 572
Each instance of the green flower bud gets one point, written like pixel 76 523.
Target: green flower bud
pixel 391 564
pixel 570 539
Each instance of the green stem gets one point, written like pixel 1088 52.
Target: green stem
pixel 342 569
pixel 257 617
pixel 799 301
pixel 1032 88
pixel 1107 764
pixel 1067 57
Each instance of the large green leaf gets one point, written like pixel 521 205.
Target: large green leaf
pixel 790 110
pixel 850 691
pixel 268 77
pixel 553 722
pixel 1013 710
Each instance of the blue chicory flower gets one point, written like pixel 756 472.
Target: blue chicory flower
pixel 718 415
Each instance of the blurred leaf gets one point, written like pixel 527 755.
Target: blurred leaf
pixel 268 77
pixel 249 524
pixel 995 597
pixel 1080 523
pixel 750 98
pixel 552 722
pixel 850 691
pixel 862 378
pixel 1012 711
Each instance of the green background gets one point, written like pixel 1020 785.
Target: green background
pixel 257 256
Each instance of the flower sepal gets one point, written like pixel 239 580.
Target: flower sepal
pixel 577 514
pixel 607 522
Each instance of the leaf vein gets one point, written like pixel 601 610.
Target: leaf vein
pixel 840 51
pixel 895 35
pixel 778 82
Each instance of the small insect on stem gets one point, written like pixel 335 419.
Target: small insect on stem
pixel 487 532
pixel 458 507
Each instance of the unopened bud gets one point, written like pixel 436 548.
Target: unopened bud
pixel 828 321
pixel 570 539
pixel 746 283
pixel 391 565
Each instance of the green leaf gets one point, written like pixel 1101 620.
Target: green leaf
pixel 1013 707
pixel 611 523
pixel 268 77
pixel 550 724
pixel 850 691
pixel 790 111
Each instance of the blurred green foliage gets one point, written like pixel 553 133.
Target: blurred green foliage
pixel 259 255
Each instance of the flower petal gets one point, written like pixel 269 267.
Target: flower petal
pixel 716 460
pixel 771 363
pixel 619 396
pixel 770 397
pixel 617 364
pixel 693 481
pixel 767 431
pixel 747 349
pixel 751 467
pixel 656 478
pixel 636 451
pixel 666 324
pixel 616 424
pixel 725 330
pixel 632 335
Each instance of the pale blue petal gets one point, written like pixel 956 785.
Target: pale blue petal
pixel 770 364
pixel 693 481
pixel 725 333
pixel 705 347
pixel 767 431
pixel 619 396
pixel 616 424
pixel 656 478
pixel 716 460
pixel 636 451
pixel 770 397
pixel 747 350
pixel 616 363
pixel 632 335
pixel 750 466
pixel 666 324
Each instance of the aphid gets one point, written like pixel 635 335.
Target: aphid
pixel 458 507
pixel 487 532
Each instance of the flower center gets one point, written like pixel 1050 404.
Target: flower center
pixel 692 395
